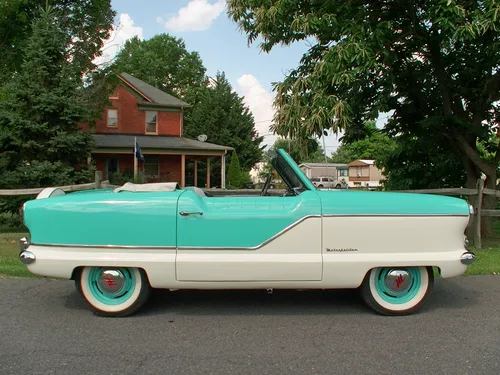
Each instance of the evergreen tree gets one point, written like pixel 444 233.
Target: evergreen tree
pixel 221 114
pixel 234 173
pixel 41 142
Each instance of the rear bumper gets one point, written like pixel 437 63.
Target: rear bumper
pixel 25 256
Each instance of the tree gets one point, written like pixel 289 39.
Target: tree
pixel 41 142
pixel 86 22
pixel 435 63
pixel 374 145
pixel 221 114
pixel 301 150
pixel 234 173
pixel 164 62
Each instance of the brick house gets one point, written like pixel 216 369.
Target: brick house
pixel 140 112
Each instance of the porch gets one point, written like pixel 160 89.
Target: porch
pixel 166 159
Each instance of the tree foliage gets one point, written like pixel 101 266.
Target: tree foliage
pixel 235 177
pixel 41 142
pixel 374 145
pixel 301 150
pixel 163 61
pixel 435 63
pixel 221 114
pixel 86 22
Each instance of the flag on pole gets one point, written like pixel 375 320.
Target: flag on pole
pixel 138 152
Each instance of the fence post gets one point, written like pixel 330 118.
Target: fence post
pixel 98 179
pixel 477 219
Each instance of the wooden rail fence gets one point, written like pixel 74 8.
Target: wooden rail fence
pixel 97 184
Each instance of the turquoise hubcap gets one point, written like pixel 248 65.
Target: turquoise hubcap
pixel 111 286
pixel 397 285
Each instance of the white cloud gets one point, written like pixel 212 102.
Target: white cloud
pixel 119 35
pixel 198 15
pixel 260 103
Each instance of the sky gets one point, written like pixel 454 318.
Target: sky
pixel 205 28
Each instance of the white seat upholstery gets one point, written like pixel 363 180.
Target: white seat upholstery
pixel 157 186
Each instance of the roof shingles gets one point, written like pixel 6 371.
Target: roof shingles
pixel 156 96
pixel 154 141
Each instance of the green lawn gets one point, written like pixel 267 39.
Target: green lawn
pixel 487 261
pixel 10 266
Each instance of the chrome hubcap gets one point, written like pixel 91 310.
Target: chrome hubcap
pixel 398 281
pixel 111 281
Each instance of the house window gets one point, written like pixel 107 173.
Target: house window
pixel 112 118
pixel 358 172
pixel 151 122
pixel 343 172
pixel 114 94
pixel 152 166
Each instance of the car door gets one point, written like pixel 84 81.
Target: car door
pixel 249 238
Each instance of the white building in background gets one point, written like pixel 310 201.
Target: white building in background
pixel 334 170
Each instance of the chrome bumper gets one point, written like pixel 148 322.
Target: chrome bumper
pixel 25 256
pixel 467 258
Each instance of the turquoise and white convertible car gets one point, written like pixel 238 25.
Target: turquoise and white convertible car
pixel 118 244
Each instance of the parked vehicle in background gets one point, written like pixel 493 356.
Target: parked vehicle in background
pixel 328 183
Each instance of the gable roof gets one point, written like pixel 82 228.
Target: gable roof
pixel 361 163
pixel 322 165
pixel 151 94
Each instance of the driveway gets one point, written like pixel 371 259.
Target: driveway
pixel 46 329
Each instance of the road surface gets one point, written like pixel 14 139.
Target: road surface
pixel 46 329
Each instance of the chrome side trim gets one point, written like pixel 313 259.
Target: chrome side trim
pixel 395 215
pixel 108 246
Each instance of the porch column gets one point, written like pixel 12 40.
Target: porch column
pixel 223 172
pixel 183 170
pixel 208 173
pixel 195 172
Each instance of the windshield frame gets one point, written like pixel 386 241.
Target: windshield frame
pixel 293 172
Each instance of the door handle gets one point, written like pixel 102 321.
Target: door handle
pixel 186 213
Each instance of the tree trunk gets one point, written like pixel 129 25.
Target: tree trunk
pixel 473 174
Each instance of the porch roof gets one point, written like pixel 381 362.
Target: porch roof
pixel 157 142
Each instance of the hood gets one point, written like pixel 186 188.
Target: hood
pixel 351 202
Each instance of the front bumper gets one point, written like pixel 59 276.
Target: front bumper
pixel 26 257
pixel 467 258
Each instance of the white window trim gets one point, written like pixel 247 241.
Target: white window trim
pixel 146 123
pixel 107 118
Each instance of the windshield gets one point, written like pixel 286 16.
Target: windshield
pixel 287 172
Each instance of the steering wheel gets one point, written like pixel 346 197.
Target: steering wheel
pixel 266 186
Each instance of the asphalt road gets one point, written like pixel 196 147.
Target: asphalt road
pixel 46 329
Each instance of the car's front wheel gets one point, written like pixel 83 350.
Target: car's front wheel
pixel 397 290
pixel 110 291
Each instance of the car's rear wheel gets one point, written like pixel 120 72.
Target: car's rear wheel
pixel 337 186
pixel 397 290
pixel 111 291
pixel 320 186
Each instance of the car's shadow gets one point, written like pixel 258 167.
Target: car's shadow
pixel 445 295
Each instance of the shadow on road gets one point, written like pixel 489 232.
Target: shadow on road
pixel 447 294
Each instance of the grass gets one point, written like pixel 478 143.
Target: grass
pixel 487 259
pixel 10 266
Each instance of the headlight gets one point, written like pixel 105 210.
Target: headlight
pixel 471 209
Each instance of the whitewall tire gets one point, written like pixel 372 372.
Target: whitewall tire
pixel 397 290
pixel 113 291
